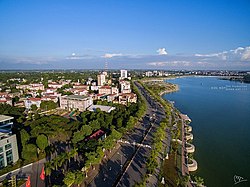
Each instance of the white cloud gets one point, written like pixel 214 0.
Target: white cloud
pixel 111 55
pixel 239 49
pixel 162 51
pixel 207 55
pixel 170 63
pixel 246 54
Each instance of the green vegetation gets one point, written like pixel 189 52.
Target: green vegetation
pixel 48 105
pixel 171 167
pixel 66 142
pixel 159 136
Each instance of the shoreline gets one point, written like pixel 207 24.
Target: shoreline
pixel 185 133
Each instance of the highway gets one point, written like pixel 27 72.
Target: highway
pixel 119 171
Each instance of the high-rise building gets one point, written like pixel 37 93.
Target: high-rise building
pixel 8 142
pixel 101 79
pixel 124 74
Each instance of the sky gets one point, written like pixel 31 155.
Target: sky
pixel 130 34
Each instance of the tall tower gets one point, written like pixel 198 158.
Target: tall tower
pixel 101 79
pixel 124 74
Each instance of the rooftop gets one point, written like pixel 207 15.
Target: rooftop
pixel 5 118
pixel 79 97
pixel 104 108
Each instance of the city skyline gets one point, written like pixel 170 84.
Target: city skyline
pixel 125 34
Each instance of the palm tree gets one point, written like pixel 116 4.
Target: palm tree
pixel 79 177
pixel 48 169
pixel 69 179
pixel 199 181
pixel 74 153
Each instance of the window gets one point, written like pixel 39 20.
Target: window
pixel 8 146
pixel 9 157
pixel 2 161
pixel 1 149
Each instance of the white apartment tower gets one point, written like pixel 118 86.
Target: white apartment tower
pixel 124 74
pixel 101 79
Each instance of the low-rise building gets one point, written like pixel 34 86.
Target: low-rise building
pixel 103 108
pixel 73 102
pixel 105 90
pixel 8 142
pixel 81 86
pixel 127 98
pixel 55 85
pixel 36 87
pixel 149 74
pixel 32 101
pixel 111 97
pixel 125 86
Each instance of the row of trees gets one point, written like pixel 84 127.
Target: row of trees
pixel 157 145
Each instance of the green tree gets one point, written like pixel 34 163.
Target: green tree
pixel 42 142
pixel 115 134
pixel 79 177
pixel 199 181
pixel 119 123
pixel 130 123
pixel 91 158
pixel 29 152
pixel 86 129
pixel 95 125
pixel 33 107
pixel 69 179
pixel 48 105
pixel 25 137
pixel 77 137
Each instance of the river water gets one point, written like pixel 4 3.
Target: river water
pixel 220 113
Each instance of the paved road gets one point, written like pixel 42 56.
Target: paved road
pixel 137 169
pixel 33 170
pixel 113 172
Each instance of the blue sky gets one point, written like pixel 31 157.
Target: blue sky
pixel 198 34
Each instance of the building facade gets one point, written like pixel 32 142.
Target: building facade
pixel 124 74
pixel 101 80
pixel 32 101
pixel 74 102
pixel 8 142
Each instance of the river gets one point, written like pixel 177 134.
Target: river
pixel 220 113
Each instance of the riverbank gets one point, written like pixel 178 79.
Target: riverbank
pixel 185 149
pixel 233 125
pixel 160 86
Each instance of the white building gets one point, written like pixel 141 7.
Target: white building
pixel 101 79
pixel 32 101
pixel 73 102
pixel 54 85
pixel 104 108
pixel 105 90
pixel 149 74
pixel 124 74
pixel 8 142
pixel 125 86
